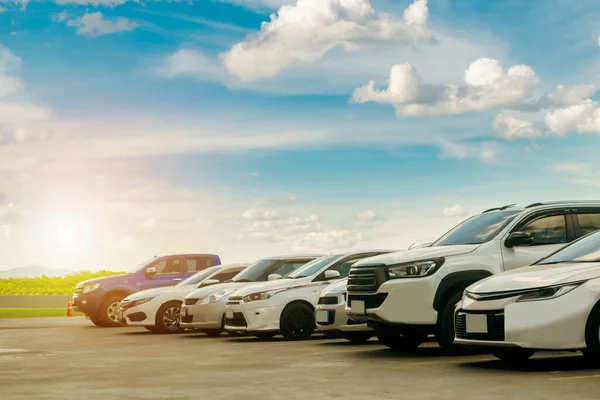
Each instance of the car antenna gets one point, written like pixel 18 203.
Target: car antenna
pixel 409 247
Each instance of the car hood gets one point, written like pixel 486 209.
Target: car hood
pixel 265 286
pixel 180 290
pixel 537 276
pixel 208 290
pixel 336 287
pixel 106 279
pixel 417 254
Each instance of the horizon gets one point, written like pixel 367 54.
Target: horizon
pixel 129 129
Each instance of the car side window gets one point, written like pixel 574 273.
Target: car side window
pixel 344 268
pixel 226 275
pixel 288 267
pixel 169 266
pixel 197 264
pixel 588 223
pixel 547 230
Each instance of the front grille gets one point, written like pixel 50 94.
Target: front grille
pixel 190 302
pixel 137 317
pixel 371 300
pixel 328 300
pixel 495 326
pixel 234 300
pixel 188 319
pixel 237 320
pixel 362 280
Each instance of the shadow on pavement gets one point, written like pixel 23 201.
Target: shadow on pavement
pixel 546 364
pixel 419 352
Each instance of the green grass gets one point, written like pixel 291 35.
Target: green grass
pixel 44 285
pixel 34 312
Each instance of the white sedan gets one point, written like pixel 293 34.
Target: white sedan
pixel 331 315
pixel 552 305
pixel 287 306
pixel 158 310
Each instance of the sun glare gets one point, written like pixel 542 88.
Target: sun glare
pixel 67 235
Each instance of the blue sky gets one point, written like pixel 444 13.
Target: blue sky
pixel 128 128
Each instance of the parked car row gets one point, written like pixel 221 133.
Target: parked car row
pixel 511 279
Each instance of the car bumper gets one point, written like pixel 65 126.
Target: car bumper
pixel 85 303
pixel 555 324
pixel 202 316
pixel 398 301
pixel 333 318
pixel 249 317
pixel 142 315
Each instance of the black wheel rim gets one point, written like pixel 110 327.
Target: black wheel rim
pixel 300 323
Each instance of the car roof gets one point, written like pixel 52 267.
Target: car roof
pixel 294 256
pixel 546 205
pixel 231 266
pixel 187 255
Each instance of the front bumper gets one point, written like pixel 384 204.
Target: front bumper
pixel 397 301
pixel 555 324
pixel 333 318
pixel 203 316
pixel 142 315
pixel 86 303
pixel 252 317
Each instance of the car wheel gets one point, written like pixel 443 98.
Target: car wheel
pixel 96 320
pixel 213 332
pixel 393 338
pixel 513 355
pixel 444 330
pixel 297 322
pixel 592 336
pixel 264 335
pixel 358 337
pixel 168 317
pixel 109 311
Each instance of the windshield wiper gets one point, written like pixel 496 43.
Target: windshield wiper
pixel 243 280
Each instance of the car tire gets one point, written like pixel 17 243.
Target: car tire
pixel 108 316
pixel 213 332
pixel 592 336
pixel 393 338
pixel 238 334
pixel 358 337
pixel 297 322
pixel 168 317
pixel 513 355
pixel 153 329
pixel 444 329
pixel 97 321
pixel 264 335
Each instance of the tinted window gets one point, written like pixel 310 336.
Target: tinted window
pixel 169 266
pixel 586 249
pixel 255 271
pixel 195 264
pixel 588 223
pixel 478 229
pixel 547 230
pixel 289 267
pixel 199 277
pixel 226 275
pixel 344 268
pixel 313 267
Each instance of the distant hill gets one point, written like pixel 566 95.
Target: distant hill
pixel 33 271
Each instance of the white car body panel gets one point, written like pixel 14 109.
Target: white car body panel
pixel 550 324
pixel 335 318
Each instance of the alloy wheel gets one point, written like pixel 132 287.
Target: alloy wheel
pixel 171 318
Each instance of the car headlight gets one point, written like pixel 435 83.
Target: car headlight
pixel 415 269
pixel 261 295
pixel 90 288
pixel 216 297
pixel 141 301
pixel 548 293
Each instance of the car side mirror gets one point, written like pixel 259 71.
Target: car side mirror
pixel 518 239
pixel 274 277
pixel 150 271
pixel 332 274
pixel 209 282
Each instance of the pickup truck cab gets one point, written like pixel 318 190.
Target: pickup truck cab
pixel 406 296
pixel 99 298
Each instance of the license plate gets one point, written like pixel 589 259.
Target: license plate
pixel 229 314
pixel 357 307
pixel 476 323
pixel 322 316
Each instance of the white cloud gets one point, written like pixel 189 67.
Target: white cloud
pixel 257 4
pixel 583 117
pixel 254 174
pixel 487 152
pixel 338 240
pixel 456 211
pixel 572 168
pixel 487 86
pixel 510 128
pixel 96 3
pixel 94 24
pixel 305 32
pixel 149 223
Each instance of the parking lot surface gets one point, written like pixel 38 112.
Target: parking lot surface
pixel 68 358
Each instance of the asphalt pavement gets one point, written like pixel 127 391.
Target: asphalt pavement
pixel 69 358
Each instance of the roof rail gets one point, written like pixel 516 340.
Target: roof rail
pixel 547 203
pixel 499 208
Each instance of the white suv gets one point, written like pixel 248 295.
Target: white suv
pixel 408 295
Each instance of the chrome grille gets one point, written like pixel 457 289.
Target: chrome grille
pixel 495 326
pixel 233 300
pixel 362 280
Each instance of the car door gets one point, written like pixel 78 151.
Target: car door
pixel 169 272
pixel 586 220
pixel 551 230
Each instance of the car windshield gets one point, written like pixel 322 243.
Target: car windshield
pixel 200 276
pixel 586 249
pixel 313 267
pixel 478 229
pixel 143 265
pixel 254 271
